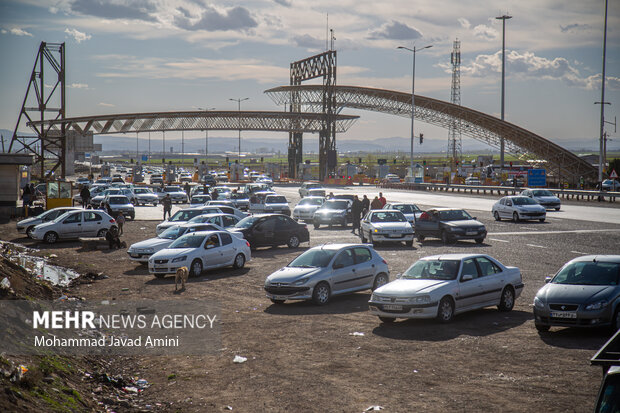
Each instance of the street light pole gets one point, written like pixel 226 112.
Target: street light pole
pixel 413 52
pixel 503 18
pixel 239 103
pixel 602 102
pixel 206 136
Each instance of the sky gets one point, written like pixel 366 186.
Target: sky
pixel 126 56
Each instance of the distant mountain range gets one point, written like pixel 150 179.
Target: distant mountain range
pixel 117 144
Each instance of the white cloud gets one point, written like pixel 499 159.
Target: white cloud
pixel 485 32
pixel 77 35
pixel 78 86
pixel 464 22
pixel 16 31
pixel 107 105
pixel 395 30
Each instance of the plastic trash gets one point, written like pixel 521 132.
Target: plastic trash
pixel 62 298
pixel 240 359
pixel 356 333
pixel 5 284
pixel 130 389
pixel 373 408
pixel 142 384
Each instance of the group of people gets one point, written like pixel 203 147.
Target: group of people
pixel 359 208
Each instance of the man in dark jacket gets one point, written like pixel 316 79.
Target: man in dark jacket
pixel 365 204
pixel 167 203
pixel 356 212
pixel 85 195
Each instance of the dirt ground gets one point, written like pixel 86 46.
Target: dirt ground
pixel 305 358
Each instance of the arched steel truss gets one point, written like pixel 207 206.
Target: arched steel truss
pixel 306 122
pixel 477 125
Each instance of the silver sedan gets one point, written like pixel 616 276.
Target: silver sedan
pixel 518 208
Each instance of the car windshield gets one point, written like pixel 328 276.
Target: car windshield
pixel 199 219
pixel 335 205
pixel 406 209
pixel 454 215
pixel 246 222
pixel 275 200
pixel 172 189
pixel 433 270
pixel 314 258
pixel 61 216
pixel 389 216
pixel 589 273
pixel 188 241
pixel 524 200
pixel 118 200
pixel 198 199
pixel 142 191
pixel 310 201
pixel 185 215
pixel 173 232
pixel 542 192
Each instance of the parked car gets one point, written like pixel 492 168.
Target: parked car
pixel 544 197
pixel 441 286
pixel 208 180
pixel 410 211
pixel 25 226
pixel 185 177
pixel 81 181
pixel 240 201
pixel 328 270
pixel 199 199
pixel 449 224
pixel 226 221
pixel 176 193
pixel 472 180
pixel 145 196
pixel 257 201
pixel 584 293
pixel 391 178
pixel 272 230
pixel 119 204
pixel 156 179
pixel 95 201
pixel 277 204
pixel 304 210
pixel 608 357
pixel 141 251
pixel 315 192
pixel 610 185
pixel 185 215
pixel 518 208
pixel 303 189
pixel 333 211
pixel 385 225
pixel 200 251
pixel 74 224
pixel 226 208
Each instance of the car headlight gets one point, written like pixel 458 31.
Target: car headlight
pixel 179 259
pixel 538 303
pixel 597 306
pixel 149 250
pixel 481 229
pixel 301 281
pixel 420 299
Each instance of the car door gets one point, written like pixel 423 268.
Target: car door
pixel 364 268
pixel 344 274
pixel 93 222
pixel 212 252
pixel 492 280
pixel 507 209
pixel 264 231
pixel 285 228
pixel 229 221
pixel 470 286
pixel 71 226
pixel 228 251
pixel 427 224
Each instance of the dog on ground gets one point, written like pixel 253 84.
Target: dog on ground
pixel 113 239
pixel 181 275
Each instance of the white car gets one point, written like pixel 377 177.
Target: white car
pixel 27 225
pixel 385 225
pixel 304 210
pixel 145 196
pixel 472 180
pixel 303 190
pixel 544 197
pixel 225 221
pixel 277 204
pixel 75 224
pixel 518 208
pixel 199 251
pixel 410 211
pixel 184 215
pixel 141 251
pixel 176 193
pixel 441 286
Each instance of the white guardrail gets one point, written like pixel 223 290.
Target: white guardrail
pixel 505 190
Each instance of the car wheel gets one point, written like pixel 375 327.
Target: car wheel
pixel 409 243
pixel 279 302
pixel 159 276
pixel 557 209
pixel 102 232
pixel 51 237
pixel 380 280
pixel 132 216
pixel 154 203
pixel 362 237
pixel 344 223
pixel 321 293
pixel 496 216
pixel 445 313
pixel 542 328
pixel 508 300
pixel 239 261
pixel 515 217
pixel 387 320
pixel 196 268
pixel 615 322
pixel 420 238
pixel 316 225
pixel 370 240
pixel 29 231
pixel 445 237
pixel 479 240
pixel 541 220
pixel 293 241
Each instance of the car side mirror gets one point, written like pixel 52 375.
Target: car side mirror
pixel 548 279
pixel 399 275
pixel 338 266
pixel 474 217
pixel 467 277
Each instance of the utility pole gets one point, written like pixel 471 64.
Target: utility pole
pixel 206 135
pixel 503 18
pixel 454 134
pixel 602 103
pixel 239 103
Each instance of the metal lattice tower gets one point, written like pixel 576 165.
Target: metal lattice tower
pixel 455 149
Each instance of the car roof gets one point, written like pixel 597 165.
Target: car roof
pixel 597 258
pixel 454 256
pixel 340 246
pixel 447 209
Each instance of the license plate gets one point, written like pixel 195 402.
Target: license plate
pixel 563 314
pixel 392 307
pixel 471 233
pixel 394 235
pixel 280 297
pixel 134 255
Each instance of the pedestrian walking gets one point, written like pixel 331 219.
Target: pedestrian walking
pixel 120 221
pixel 214 195
pixel 356 211
pixel 365 205
pixel 187 189
pixel 167 203
pixel 26 195
pixel 85 195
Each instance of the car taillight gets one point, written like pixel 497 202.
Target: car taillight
pixel 384 261
pixel 247 243
pixel 112 221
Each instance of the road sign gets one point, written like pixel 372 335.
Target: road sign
pixel 537 177
pixel 613 174
pixel 145 158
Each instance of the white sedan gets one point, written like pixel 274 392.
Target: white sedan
pixel 518 208
pixel 199 251
pixel 384 225
pixel 441 286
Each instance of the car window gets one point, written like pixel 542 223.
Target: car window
pixel 73 218
pixel 267 225
pixel 362 255
pixel 454 215
pixel 283 222
pixel 229 221
pixel 487 267
pixel 316 257
pixel 213 240
pixel 469 268
pixel 433 270
pixel 90 216
pixel 345 258
pixel 388 217
pixel 226 238
pixel 502 201
pixel 589 273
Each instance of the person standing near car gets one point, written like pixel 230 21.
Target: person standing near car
pixel 187 189
pixel 365 204
pixel 85 195
pixel 376 204
pixel 356 211
pixel 167 203
pixel 382 199
pixel 120 221
pixel 26 196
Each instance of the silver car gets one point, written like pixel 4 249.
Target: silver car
pixel 75 224
pixel 441 286
pixel 384 225
pixel 145 196
pixel 120 204
pixel 304 211
pixel 27 225
pixel 324 271
pixel 584 293
pixel 184 215
pixel 518 208
pixel 544 197
pixel 410 211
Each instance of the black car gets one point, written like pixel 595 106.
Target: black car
pixel 449 224
pixel 333 211
pixel 272 230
